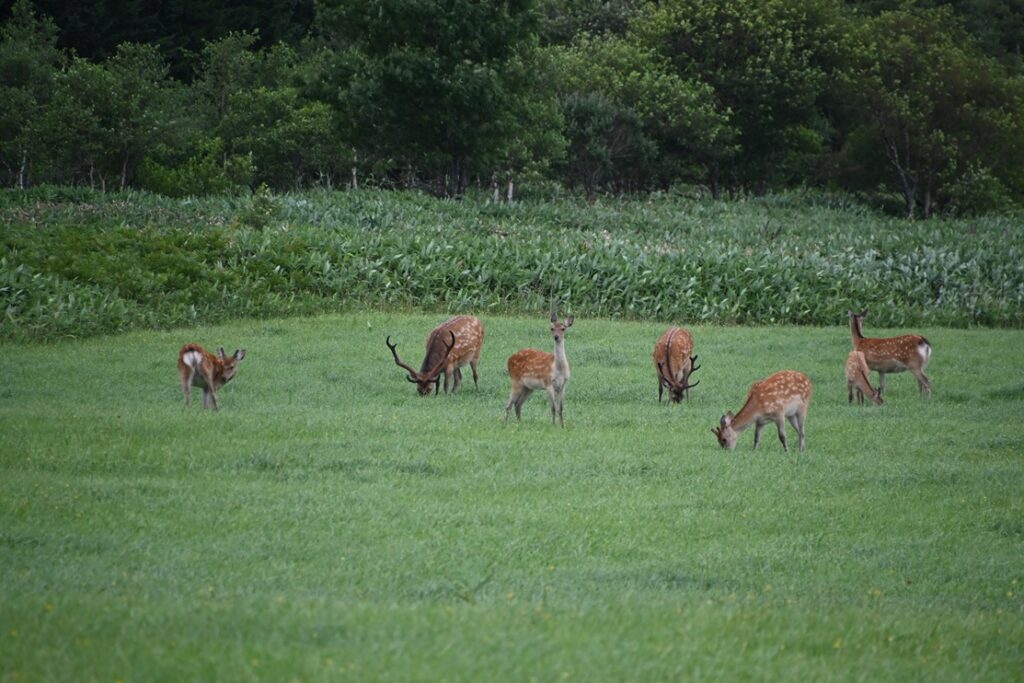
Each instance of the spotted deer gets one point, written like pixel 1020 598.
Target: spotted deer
pixel 675 364
pixel 200 368
pixel 784 395
pixel 857 379
pixel 531 369
pixel 893 354
pixel 450 346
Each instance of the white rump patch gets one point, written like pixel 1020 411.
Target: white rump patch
pixel 924 349
pixel 193 359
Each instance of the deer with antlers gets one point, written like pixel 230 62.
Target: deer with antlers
pixel 784 395
pixel 893 354
pixel 857 379
pixel 675 364
pixel 531 369
pixel 466 335
pixel 200 368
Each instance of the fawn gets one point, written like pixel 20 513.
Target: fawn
pixel 784 395
pixel 532 369
pixel 198 367
pixel 893 354
pixel 673 349
pixel 857 379
pixel 467 337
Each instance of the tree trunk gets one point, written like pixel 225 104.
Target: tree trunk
pixel 21 170
pixel 494 187
pixel 355 178
pixel 124 172
pixel 511 188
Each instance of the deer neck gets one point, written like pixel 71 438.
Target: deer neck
pixel 745 417
pixel 561 362
pixel 855 332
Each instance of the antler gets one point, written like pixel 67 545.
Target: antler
pixel 693 368
pixel 440 364
pixel 398 361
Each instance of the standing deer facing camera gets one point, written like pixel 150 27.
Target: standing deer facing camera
pixel 675 364
pixel 857 379
pixel 532 369
pixel 450 346
pixel 893 354
pixel 198 367
pixel 784 395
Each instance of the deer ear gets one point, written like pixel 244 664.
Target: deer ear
pixel 221 353
pixel 568 321
pixel 554 317
pixel 714 430
pixel 239 354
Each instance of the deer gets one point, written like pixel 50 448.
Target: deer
pixel 674 348
pixel 857 379
pixel 776 398
pixel 893 354
pixel 467 337
pixel 531 369
pixel 200 368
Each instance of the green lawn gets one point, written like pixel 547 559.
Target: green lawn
pixel 329 524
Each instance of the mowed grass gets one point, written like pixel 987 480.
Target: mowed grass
pixel 329 524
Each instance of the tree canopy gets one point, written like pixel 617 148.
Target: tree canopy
pixel 916 104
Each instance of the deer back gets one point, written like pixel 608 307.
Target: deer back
pixel 673 351
pixel 889 353
pixel 774 394
pixel 469 338
pixel 531 364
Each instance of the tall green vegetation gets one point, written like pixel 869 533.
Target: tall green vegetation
pixel 918 107
pixel 83 263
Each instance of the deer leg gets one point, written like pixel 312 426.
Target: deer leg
pixel 458 379
pixel 780 422
pixel 561 407
pixel 521 400
pixel 553 400
pixel 661 388
pixel 881 382
pixel 849 391
pixel 757 434
pixel 795 420
pixel 186 385
pixel 924 385
pixel 512 400
pixel 472 365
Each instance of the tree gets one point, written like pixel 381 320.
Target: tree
pixel 29 59
pixel 938 109
pixel 428 83
pixel 766 63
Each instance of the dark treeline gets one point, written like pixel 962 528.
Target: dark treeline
pixel 919 101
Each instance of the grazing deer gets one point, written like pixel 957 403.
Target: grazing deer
pixel 893 354
pixel 784 395
pixel 467 338
pixel 198 367
pixel 675 364
pixel 857 378
pixel 532 369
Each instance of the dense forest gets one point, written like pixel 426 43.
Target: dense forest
pixel 920 104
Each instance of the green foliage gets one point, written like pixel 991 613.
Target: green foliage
pixel 784 259
pixel 327 524
pixel 207 172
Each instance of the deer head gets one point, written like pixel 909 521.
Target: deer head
pixel 727 436
pixel 424 379
pixel 229 363
pixel 676 388
pixel 558 328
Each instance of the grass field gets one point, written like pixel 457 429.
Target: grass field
pixel 329 524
